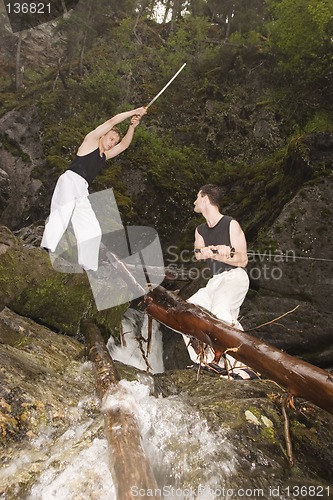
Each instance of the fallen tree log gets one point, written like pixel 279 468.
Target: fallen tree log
pixel 130 468
pixel 299 377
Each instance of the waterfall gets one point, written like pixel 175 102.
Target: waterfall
pixel 187 457
pixel 134 327
pixel 198 448
pixel 84 475
pixel 189 460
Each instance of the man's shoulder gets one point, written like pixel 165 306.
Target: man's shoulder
pixel 89 143
pixel 225 221
pixel 201 227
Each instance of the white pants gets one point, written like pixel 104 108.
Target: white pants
pixel 70 204
pixel 223 296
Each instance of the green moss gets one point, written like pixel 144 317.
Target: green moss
pixel 57 302
pixel 14 148
pixel 321 121
pixel 31 287
pixel 56 163
pixel 268 433
pixel 11 282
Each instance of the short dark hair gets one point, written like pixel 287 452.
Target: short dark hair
pixel 213 192
pixel 115 129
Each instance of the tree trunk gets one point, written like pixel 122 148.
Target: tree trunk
pixel 299 377
pixel 166 11
pixel 129 466
pixel 81 58
pixel 18 67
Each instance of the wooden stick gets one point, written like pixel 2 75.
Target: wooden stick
pixel 274 320
pixel 289 447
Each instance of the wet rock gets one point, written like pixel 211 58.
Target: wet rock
pixel 20 154
pixel 30 286
pixel 249 412
pixel 44 380
pixel 4 188
pixel 36 364
pixel 303 229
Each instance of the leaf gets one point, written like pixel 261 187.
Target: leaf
pixel 250 417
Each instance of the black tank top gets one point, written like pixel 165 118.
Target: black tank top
pixel 88 166
pixel 217 235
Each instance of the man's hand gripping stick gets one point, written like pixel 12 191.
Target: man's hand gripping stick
pixel 232 251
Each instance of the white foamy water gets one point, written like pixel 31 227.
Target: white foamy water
pixel 135 324
pixel 186 456
pixel 84 476
pixel 72 465
pixel 189 460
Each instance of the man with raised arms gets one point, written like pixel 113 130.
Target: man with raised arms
pixel 70 201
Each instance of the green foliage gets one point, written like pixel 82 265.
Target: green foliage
pixel 250 38
pixel 122 38
pixel 321 121
pixel 187 42
pixel 302 31
pixel 103 87
pixel 111 178
pixel 14 148
pixel 186 138
pixel 56 164
pixel 171 177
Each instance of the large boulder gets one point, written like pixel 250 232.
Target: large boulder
pixel 21 153
pixel 303 232
pixel 31 286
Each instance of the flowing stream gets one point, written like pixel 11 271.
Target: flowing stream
pixel 178 443
pixel 176 440
pixel 191 458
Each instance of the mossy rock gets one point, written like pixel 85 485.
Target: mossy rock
pixel 30 286
pixel 249 413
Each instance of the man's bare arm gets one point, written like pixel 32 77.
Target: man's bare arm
pixel 235 255
pixel 199 244
pixel 102 129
